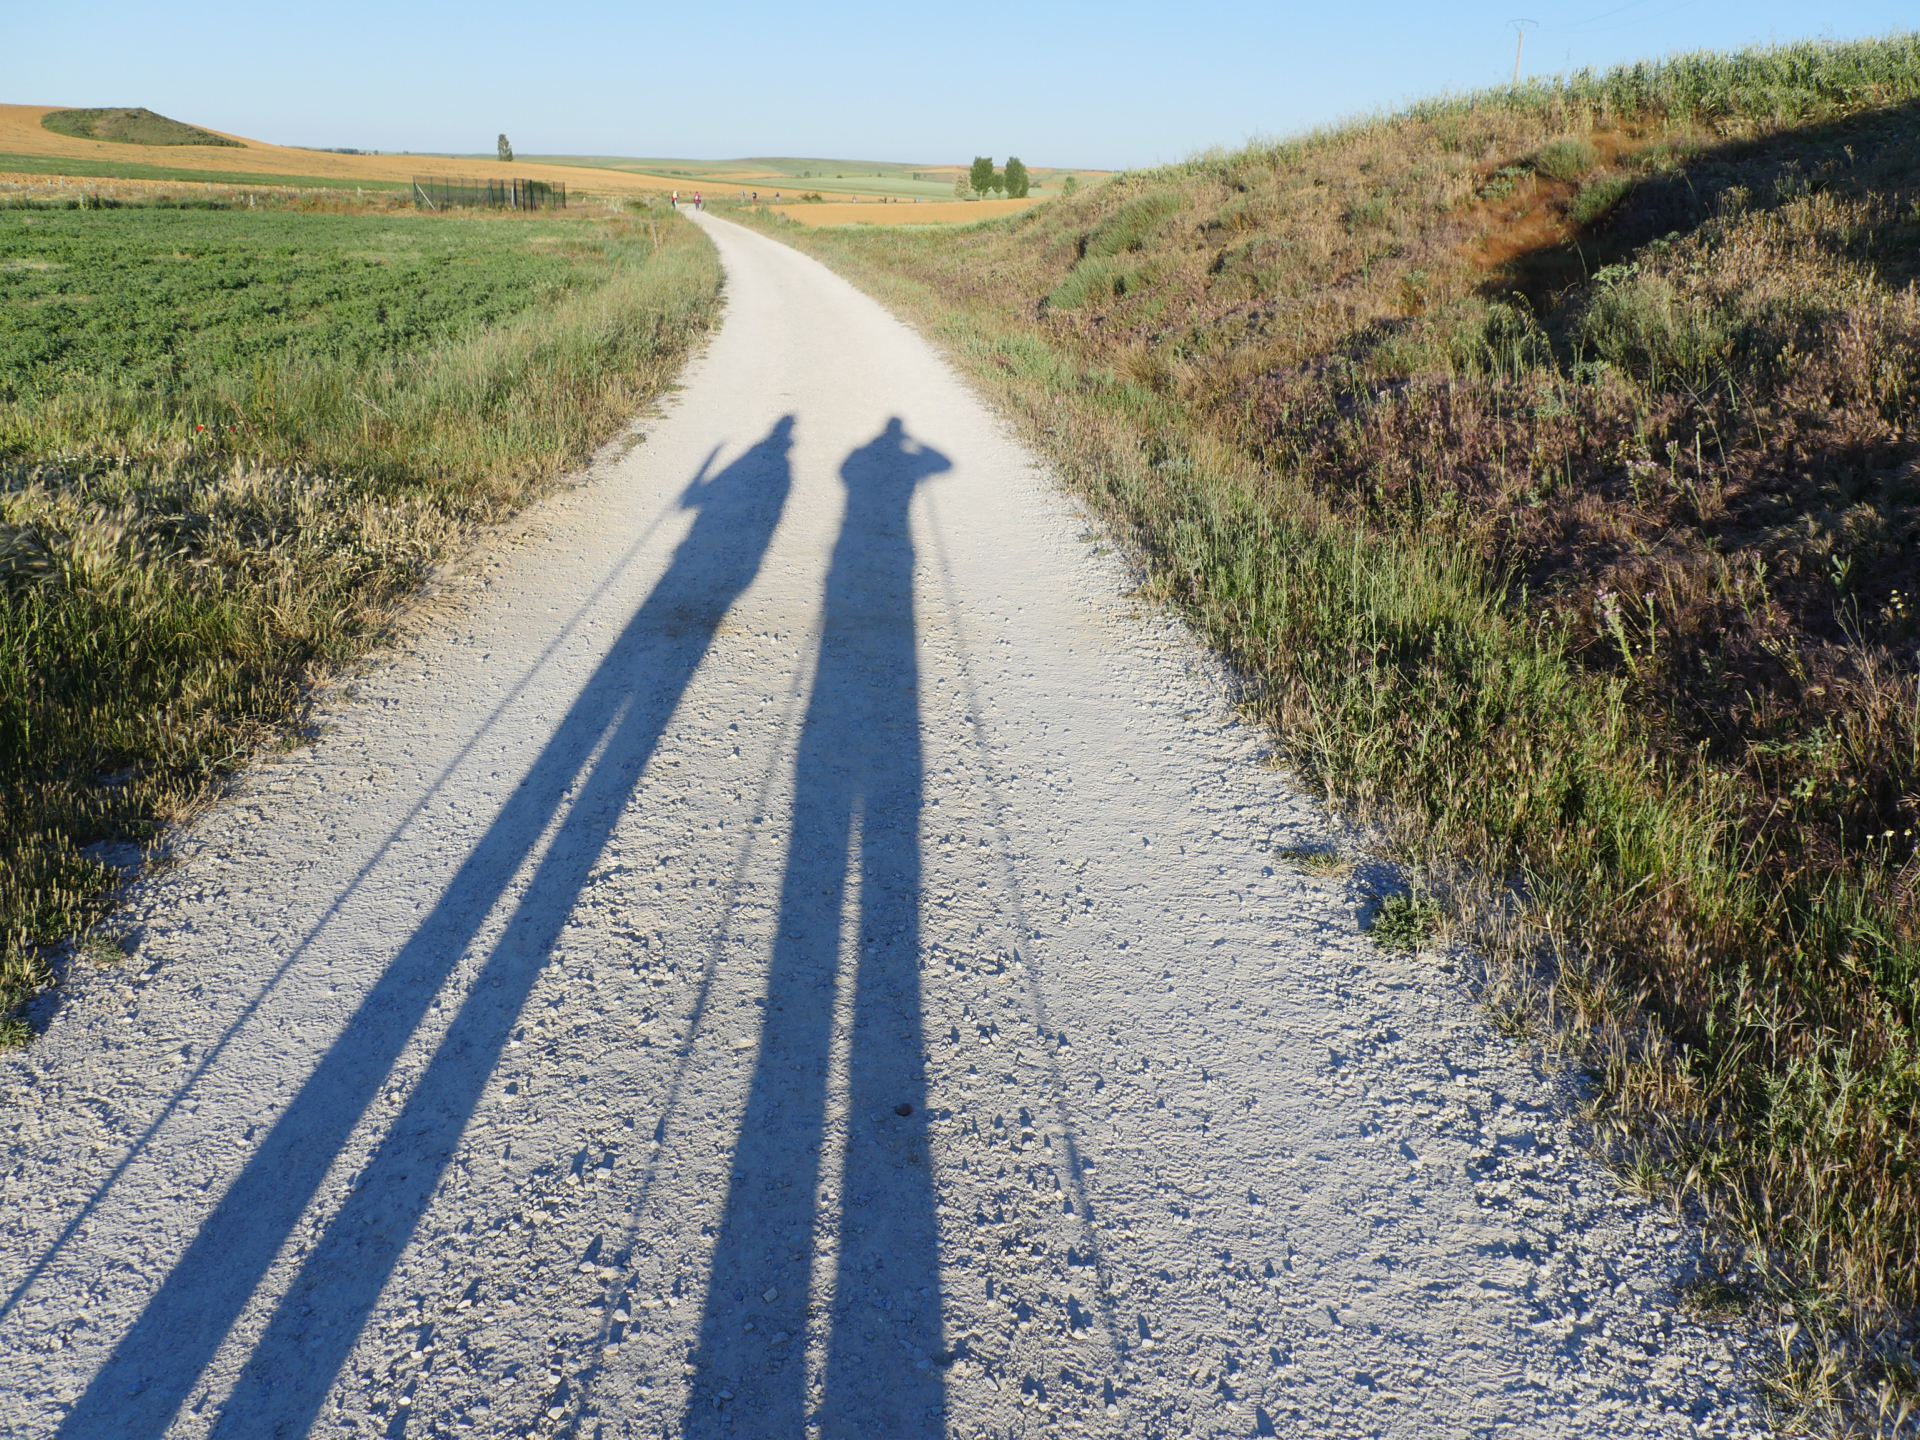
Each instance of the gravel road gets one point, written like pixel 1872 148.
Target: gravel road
pixel 786 947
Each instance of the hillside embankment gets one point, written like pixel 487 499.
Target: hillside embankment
pixel 1547 457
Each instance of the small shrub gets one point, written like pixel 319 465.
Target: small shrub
pixel 1369 214
pixel 1314 862
pixel 1565 159
pixel 1503 182
pixel 1714 1299
pixel 1405 922
pixel 1129 227
pixel 1095 280
pixel 1596 199
pixel 1494 339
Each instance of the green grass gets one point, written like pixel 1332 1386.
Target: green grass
pixel 1773 85
pixel 131 170
pixel 230 444
pixel 1594 201
pixel 138 126
pixel 1405 922
pixel 1545 458
pixel 153 302
pixel 1565 159
pixel 1322 863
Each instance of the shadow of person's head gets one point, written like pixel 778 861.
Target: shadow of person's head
pixel 762 474
pixel 893 462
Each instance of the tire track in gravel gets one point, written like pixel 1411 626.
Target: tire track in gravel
pixel 888 799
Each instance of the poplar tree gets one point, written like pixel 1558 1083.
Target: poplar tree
pixel 980 177
pixel 506 150
pixel 1018 181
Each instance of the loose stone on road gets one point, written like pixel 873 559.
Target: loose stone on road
pixel 787 947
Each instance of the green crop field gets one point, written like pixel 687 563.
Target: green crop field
pixel 170 303
pixel 231 442
pixel 131 170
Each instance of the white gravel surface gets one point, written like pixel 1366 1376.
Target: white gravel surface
pixel 532 1054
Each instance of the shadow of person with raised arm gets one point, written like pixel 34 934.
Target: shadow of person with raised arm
pixel 588 770
pixel 857 786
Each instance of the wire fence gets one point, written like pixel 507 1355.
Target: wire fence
pixel 441 192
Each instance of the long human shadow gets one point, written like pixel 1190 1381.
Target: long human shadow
pixel 335 908
pixel 588 769
pixel 857 782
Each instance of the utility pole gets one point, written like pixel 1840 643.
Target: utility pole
pixel 1520 28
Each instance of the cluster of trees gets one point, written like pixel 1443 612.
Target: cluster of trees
pixel 982 179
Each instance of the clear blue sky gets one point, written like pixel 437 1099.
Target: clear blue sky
pixel 1078 84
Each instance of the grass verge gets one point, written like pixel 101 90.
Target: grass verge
pixel 1546 456
pixel 231 442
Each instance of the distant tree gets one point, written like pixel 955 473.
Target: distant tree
pixel 1069 185
pixel 506 150
pixel 959 187
pixel 1018 181
pixel 980 176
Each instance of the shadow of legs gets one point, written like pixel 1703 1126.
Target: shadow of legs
pixel 858 782
pixel 626 705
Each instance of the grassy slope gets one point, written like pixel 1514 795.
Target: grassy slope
pixel 230 443
pixel 137 126
pixel 1548 456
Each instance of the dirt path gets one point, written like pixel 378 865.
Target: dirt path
pixel 788 949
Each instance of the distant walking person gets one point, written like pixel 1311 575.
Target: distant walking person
pixel 698 203
pixel 675 197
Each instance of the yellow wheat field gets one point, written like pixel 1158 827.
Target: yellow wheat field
pixel 869 212
pixel 22 134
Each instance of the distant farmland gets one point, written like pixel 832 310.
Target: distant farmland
pixel 27 147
